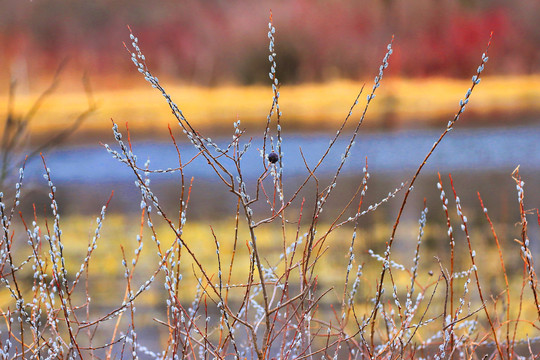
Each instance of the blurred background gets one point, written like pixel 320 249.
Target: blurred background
pixel 212 57
pixel 326 50
pixel 210 43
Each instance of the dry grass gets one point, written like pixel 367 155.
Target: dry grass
pixel 308 105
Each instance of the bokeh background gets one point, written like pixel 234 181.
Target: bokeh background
pixel 212 57
pixel 215 42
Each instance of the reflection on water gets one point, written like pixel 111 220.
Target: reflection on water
pixel 466 149
pixel 480 160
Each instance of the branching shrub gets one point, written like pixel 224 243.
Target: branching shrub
pixel 249 303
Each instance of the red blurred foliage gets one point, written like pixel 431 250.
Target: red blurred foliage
pixel 451 47
pixel 207 42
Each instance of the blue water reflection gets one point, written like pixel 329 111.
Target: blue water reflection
pixel 465 149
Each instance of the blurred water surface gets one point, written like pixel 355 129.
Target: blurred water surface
pixel 481 159
pixel 465 149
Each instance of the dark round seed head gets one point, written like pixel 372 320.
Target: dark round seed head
pixel 273 157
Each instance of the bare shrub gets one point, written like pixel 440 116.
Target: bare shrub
pixel 247 303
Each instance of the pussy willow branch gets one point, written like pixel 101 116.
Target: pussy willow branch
pixel 473 261
pixel 449 127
